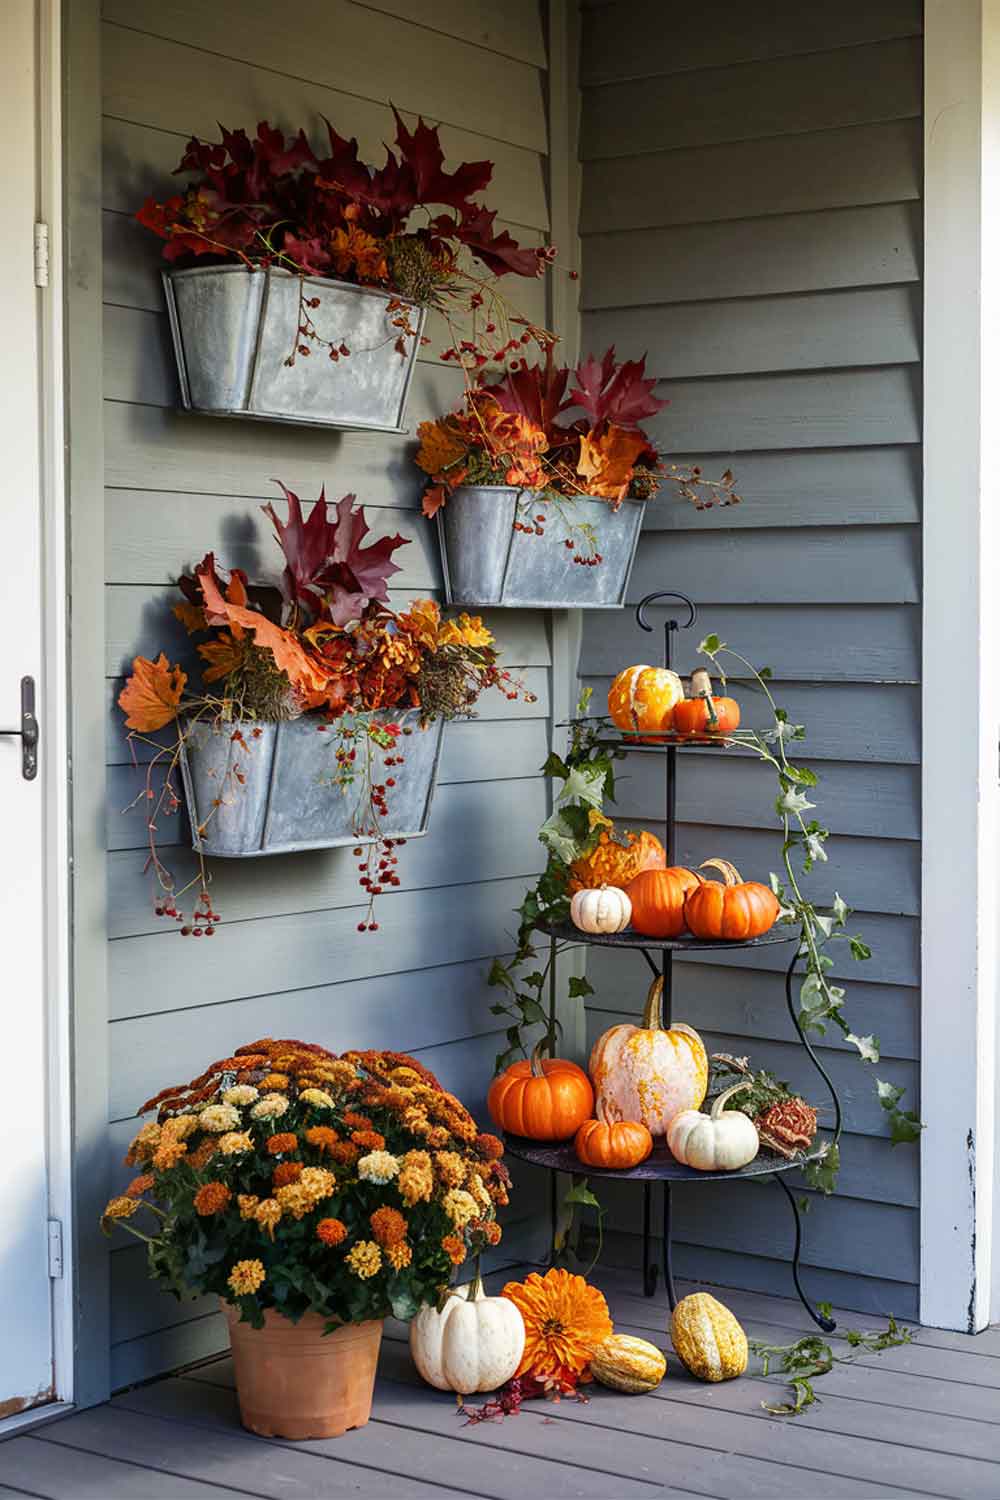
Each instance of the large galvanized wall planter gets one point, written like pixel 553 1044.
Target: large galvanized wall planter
pixel 288 801
pixel 234 330
pixel 488 562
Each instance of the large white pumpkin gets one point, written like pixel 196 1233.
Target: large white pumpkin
pixel 646 1073
pixel 474 1343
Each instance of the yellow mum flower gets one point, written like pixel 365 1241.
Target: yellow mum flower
pixel 144 1144
pixel 241 1094
pixel 318 1098
pixel 120 1208
pixel 179 1127
pixel 399 1256
pixel 275 1081
pixel 218 1118
pixel 246 1276
pixel 168 1154
pixel 378 1166
pixel 365 1259
pixel 270 1107
pixel 268 1215
pixel 295 1200
pixel 247 1202
pixel 460 1207
pixel 450 1168
pixel 317 1182
pixel 234 1142
pixel 416 1178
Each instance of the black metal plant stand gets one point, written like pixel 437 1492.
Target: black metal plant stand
pixel 661 1166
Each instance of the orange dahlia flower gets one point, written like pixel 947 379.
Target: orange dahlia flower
pixel 565 1320
pixel 331 1231
pixel 212 1198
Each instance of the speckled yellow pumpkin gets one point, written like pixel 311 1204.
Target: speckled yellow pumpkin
pixel 647 1073
pixel 708 1339
pixel 643 698
pixel 628 1364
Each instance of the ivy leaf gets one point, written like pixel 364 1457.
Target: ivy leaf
pixel 498 975
pixel 906 1127
pixel 580 1193
pixel 814 848
pixel 889 1094
pixel 859 949
pixel 840 909
pixel 710 645
pixel 555 766
pixel 824 923
pixel 868 1046
pixel 584 784
pixel 532 1012
pixel 579 988
pixel 793 802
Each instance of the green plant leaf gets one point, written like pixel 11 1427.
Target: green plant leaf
pixel 580 988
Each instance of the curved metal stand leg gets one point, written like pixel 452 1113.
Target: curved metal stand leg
pixel 650 1270
pixel 668 1249
pixel 827 1324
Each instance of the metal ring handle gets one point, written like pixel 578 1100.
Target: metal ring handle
pixel 640 610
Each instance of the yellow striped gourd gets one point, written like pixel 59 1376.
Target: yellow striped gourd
pixel 708 1339
pixel 628 1364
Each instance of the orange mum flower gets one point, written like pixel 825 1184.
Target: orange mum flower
pixel 399 1255
pixel 321 1137
pixel 140 1185
pixel 369 1140
pixel 354 1121
pixel 565 1320
pixel 490 1147
pixel 211 1198
pixel 344 1153
pixel 274 1081
pixel 331 1231
pixel 281 1144
pixel 454 1248
pixel 168 1155
pixel 388 1226
pixel 202 1155
pixel 286 1172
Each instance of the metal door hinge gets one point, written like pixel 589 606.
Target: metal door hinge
pixel 55 1249
pixel 41 255
pixel 27 731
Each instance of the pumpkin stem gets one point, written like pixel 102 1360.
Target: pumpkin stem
pixel 701 683
pixel 476 1284
pixel 729 872
pixel 652 1016
pixel 542 1045
pixel 720 1103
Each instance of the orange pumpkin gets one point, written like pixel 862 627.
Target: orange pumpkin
pixel 643 698
pixel 611 862
pixel 707 717
pixel 545 1099
pixel 736 910
pixel 658 897
pixel 619 1144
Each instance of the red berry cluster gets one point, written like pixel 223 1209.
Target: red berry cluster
pixel 532 528
pixel 588 562
pixel 203 918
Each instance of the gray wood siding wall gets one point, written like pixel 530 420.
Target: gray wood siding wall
pixel 288 959
pixel 751 217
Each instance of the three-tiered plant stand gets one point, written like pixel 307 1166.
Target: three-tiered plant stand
pixel 661 1166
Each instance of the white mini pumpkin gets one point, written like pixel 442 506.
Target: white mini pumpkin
pixel 605 909
pixel 723 1141
pixel 474 1343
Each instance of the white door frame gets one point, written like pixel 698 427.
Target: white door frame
pixel 961 660
pixel 53 708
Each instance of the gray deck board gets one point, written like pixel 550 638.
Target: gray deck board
pixel 923 1420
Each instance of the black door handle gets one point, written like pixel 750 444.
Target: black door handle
pixel 28 732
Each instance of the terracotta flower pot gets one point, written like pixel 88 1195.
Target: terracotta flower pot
pixel 293 1382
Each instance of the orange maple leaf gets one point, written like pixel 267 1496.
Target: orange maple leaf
pixel 422 620
pixel 442 446
pixel 433 500
pixel 606 463
pixel 223 656
pixel 191 616
pixel 152 694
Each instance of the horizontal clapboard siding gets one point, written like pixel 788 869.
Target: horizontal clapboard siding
pixel 287 958
pixel 751 221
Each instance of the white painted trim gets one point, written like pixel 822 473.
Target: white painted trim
pixel 55 687
pixel 960 648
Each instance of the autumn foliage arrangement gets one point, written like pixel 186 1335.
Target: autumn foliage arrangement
pixel 565 432
pixel 287 1178
pixel 409 227
pixel 323 642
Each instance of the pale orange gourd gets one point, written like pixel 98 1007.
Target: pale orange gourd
pixel 734 911
pixel 658 897
pixel 614 863
pixel 647 1073
pixel 641 700
pixel 544 1099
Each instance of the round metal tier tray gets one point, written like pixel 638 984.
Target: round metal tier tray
pixel 566 932
pixel 659 1167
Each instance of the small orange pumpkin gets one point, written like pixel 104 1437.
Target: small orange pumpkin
pixel 612 862
pixel 544 1099
pixel 643 698
pixel 734 911
pixel 619 1144
pixel 703 716
pixel 658 897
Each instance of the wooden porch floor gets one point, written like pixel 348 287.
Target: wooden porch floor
pixel 919 1420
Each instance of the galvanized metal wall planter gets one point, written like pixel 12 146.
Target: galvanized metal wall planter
pixel 288 801
pixel 233 330
pixel 487 563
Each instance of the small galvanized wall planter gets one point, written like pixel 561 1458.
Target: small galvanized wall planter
pixel 489 563
pixel 288 801
pixel 233 330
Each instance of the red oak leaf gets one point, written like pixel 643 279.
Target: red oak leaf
pixel 422 154
pixel 499 253
pixel 537 393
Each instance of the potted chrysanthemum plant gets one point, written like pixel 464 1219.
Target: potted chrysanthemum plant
pixel 319 717
pixel 277 253
pixel 314 1195
pixel 539 482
